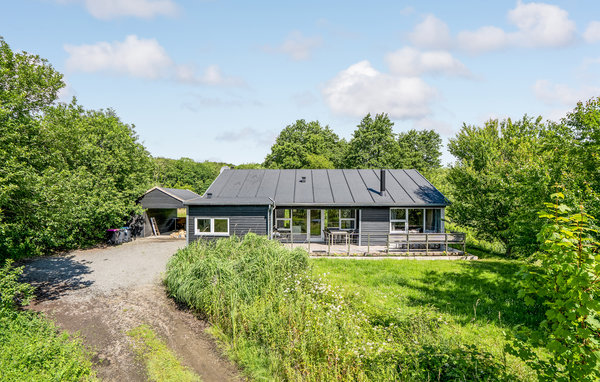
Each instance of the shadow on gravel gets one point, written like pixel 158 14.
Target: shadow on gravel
pixel 52 277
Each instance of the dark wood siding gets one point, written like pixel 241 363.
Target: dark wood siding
pixel 375 225
pixel 158 199
pixel 242 219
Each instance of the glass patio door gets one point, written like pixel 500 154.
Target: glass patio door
pixel 316 225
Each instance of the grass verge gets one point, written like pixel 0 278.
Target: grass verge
pixel 359 320
pixel 31 347
pixel 161 363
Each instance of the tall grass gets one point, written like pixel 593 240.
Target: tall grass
pixel 31 347
pixel 279 322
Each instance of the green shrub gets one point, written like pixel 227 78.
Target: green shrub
pixel 280 322
pixel 32 348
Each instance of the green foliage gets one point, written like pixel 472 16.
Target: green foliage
pixel 305 145
pixel 186 173
pixel 502 174
pixel 68 174
pixel 565 279
pixel 419 150
pixel 282 322
pixel 32 348
pixel 373 144
pixel 246 166
pixel 161 363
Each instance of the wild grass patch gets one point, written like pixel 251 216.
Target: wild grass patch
pixel 31 347
pixel 282 320
pixel 161 363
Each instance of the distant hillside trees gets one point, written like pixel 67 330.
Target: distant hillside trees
pixel 185 173
pixel 67 173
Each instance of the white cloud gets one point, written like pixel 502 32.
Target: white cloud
pixel 592 32
pixel 561 94
pixel 538 25
pixel 260 137
pixel 483 39
pixel 541 25
pixel 411 62
pixel 431 33
pixel 297 46
pixel 212 76
pixel 146 9
pixel 361 89
pixel 144 58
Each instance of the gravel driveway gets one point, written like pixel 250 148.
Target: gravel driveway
pixel 102 293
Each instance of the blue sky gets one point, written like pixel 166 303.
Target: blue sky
pixel 219 79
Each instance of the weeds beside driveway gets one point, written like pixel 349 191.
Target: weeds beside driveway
pixel 104 293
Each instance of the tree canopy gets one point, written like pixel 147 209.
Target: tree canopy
pixel 185 173
pixel 305 145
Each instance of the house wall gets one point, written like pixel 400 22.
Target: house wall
pixel 158 199
pixel 375 225
pixel 242 219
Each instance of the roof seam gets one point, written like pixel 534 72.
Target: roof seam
pixel 401 186
pixel 277 185
pixel 312 184
pixel 260 184
pixel 244 182
pixel 330 187
pixel 366 186
pixel 348 185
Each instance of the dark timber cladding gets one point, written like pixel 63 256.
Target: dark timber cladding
pixel 242 219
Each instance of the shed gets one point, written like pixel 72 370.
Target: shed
pixel 162 204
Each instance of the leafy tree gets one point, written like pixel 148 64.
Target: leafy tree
pixel 419 150
pixel 565 280
pixel 185 173
pixel 67 173
pixel 373 144
pixel 502 174
pixel 305 145
pixel 250 166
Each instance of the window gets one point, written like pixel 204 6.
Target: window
pixel 212 226
pixel 347 219
pixel 415 220
pixel 433 219
pixel 283 219
pixel 397 219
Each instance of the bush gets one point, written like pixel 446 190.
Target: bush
pixel 280 322
pixel 32 348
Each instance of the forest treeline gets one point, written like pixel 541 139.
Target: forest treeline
pixel 69 173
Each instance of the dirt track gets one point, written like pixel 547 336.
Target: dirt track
pixel 102 293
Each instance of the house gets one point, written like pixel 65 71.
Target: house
pixel 163 205
pixel 316 205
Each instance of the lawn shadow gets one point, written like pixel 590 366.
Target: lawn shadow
pixel 54 276
pixel 478 291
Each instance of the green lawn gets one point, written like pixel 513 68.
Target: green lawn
pixel 477 299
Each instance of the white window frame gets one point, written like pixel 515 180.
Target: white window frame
pixel 283 219
pixel 347 219
pixel 405 220
pixel 212 226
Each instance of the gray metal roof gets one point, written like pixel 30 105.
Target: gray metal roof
pixel 176 193
pixel 347 187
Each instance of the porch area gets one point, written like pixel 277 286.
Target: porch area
pixel 397 245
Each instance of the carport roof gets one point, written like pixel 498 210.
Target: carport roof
pixel 304 187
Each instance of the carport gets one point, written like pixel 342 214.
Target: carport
pixel 162 204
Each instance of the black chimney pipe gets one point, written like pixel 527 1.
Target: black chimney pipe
pixel 382 183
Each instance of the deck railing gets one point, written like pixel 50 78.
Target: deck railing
pixel 407 243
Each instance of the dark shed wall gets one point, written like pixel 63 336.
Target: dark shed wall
pixel 375 225
pixel 242 219
pixel 158 199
